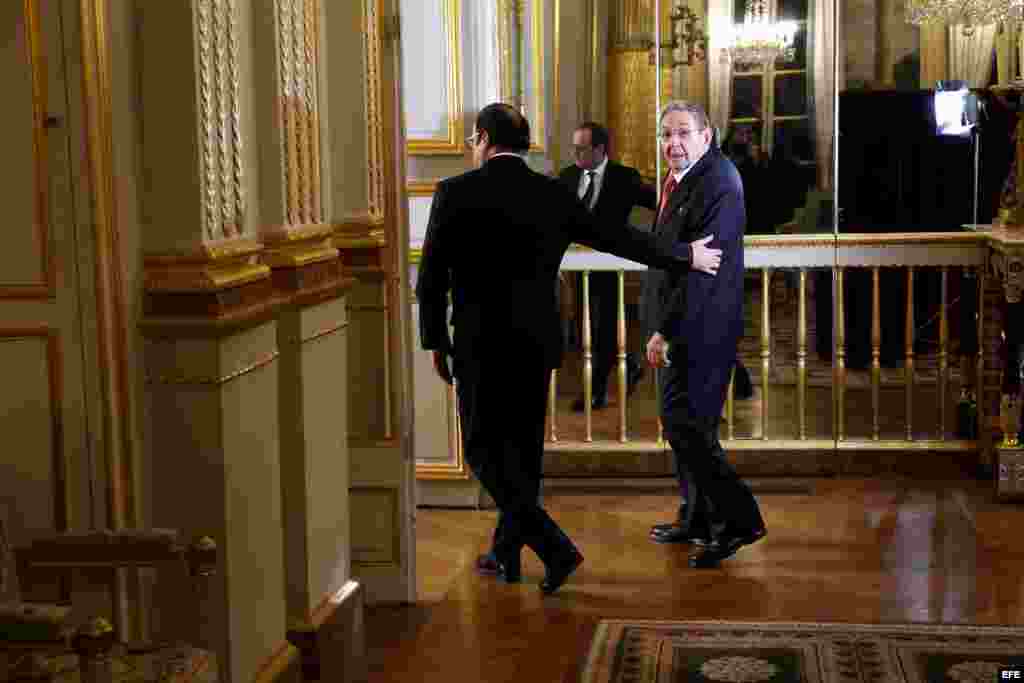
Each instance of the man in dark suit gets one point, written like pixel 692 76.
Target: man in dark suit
pixel 609 190
pixel 695 322
pixel 495 240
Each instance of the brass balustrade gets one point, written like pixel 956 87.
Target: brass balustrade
pixel 801 254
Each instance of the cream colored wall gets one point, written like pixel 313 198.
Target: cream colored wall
pixel 344 106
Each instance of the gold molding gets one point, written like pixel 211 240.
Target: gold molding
pixel 203 277
pixel 295 234
pixel 756 444
pixel 422 187
pixel 885 239
pixel 359 222
pixel 359 231
pixel 535 78
pixel 298 255
pixel 291 248
pixel 453 143
pixel 274 668
pixel 36 62
pixel 207 252
pixel 556 147
pixel 448 471
pixel 62 513
pixel 326 332
pixel 214 381
pixel 374 120
pixel 122 502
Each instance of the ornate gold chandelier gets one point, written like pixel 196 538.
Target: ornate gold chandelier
pixel 758 40
pixel 967 14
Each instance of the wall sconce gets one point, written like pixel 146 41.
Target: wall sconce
pixel 689 42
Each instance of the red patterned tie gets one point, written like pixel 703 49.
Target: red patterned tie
pixel 666 192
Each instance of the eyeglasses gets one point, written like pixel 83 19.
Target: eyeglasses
pixel 472 140
pixel 580 149
pixel 681 133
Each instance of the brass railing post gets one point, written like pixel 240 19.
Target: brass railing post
pixel 766 353
pixel 984 431
pixel 553 403
pixel 621 339
pixel 840 357
pixel 588 360
pixel 730 408
pixel 943 350
pixel 908 376
pixel 876 346
pixel 801 356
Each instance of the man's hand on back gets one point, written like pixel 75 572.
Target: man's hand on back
pixel 705 259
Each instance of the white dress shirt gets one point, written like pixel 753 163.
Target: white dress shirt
pixel 596 176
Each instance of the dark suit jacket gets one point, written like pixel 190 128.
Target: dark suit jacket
pixel 701 315
pixel 622 188
pixel 495 239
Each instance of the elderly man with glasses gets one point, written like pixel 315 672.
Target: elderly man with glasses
pixel 695 321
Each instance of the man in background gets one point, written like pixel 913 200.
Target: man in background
pixel 609 191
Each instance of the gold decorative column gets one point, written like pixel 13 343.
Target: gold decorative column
pixel 368 209
pixel 1007 260
pixel 322 601
pixel 211 347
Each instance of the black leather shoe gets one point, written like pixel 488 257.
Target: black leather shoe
pixel 557 573
pixel 596 403
pixel 634 374
pixel 487 565
pixel 674 533
pixel 723 548
pixel 510 568
pixel 743 388
pixel 509 571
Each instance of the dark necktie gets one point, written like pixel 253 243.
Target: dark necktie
pixel 666 192
pixel 588 195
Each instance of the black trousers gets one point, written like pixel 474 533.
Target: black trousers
pixel 604 316
pixel 717 499
pixel 502 406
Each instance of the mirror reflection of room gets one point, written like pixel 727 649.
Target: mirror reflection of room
pixel 859 129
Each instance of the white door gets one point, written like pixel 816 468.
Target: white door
pixel 46 466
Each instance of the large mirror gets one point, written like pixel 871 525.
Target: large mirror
pixel 775 77
pixel 924 134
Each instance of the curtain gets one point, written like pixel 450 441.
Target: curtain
pixel 970 56
pixel 1007 54
pixel 719 69
pixel 934 61
pixel 825 33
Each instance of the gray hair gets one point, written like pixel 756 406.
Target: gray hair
pixel 694 110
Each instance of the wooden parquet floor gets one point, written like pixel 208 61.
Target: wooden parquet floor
pixel 869 551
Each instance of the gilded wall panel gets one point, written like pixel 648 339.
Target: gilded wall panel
pixel 632 113
pixel 221 164
pixel 432 79
pixel 25 268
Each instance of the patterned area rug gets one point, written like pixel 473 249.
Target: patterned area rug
pixel 671 652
